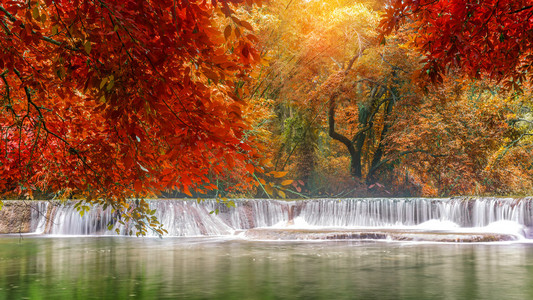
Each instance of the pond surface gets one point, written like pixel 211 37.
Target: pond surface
pixel 215 268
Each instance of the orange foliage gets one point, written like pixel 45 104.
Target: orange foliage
pixel 111 99
pixel 482 38
pixel 448 142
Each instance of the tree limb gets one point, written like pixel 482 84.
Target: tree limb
pixel 403 153
pixel 44 38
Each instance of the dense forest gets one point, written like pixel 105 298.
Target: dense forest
pixel 110 100
pixel 354 112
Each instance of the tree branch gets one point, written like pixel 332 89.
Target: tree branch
pixel 521 120
pixel 44 38
pixel 332 133
pixel 520 9
pixel 403 153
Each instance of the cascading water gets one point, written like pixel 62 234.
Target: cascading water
pixel 38 216
pixel 413 211
pixel 179 217
pixel 190 218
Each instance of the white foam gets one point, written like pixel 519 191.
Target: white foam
pixel 505 227
pixel 438 225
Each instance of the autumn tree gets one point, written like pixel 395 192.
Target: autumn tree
pixel 491 38
pixel 448 144
pixel 374 86
pixel 335 89
pixel 489 41
pixel 107 100
pixel 308 42
pixel 362 93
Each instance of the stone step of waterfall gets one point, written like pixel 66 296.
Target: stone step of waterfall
pixel 376 235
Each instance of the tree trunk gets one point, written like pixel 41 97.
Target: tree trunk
pixel 378 154
pixel 355 165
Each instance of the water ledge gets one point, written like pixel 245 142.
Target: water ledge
pixel 376 234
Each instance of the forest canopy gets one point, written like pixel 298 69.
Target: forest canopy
pixel 112 100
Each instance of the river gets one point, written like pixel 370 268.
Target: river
pixel 43 267
pixel 408 248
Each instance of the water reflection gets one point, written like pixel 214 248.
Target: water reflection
pixel 211 268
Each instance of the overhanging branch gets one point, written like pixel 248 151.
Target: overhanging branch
pixel 44 38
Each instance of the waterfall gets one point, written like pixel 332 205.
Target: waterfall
pixel 39 219
pixel 477 212
pixel 179 217
pixel 192 218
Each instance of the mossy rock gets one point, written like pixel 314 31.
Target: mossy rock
pixel 15 217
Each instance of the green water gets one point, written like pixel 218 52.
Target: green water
pixel 211 268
